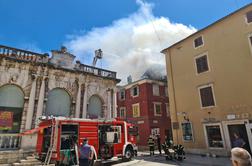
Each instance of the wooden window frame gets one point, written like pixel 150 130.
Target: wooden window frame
pixel 195 60
pixel 205 86
pixel 155 109
pixel 199 45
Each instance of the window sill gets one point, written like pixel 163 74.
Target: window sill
pixel 208 107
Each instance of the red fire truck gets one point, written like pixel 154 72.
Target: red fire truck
pixel 59 139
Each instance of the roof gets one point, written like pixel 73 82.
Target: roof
pixel 214 23
pixel 141 81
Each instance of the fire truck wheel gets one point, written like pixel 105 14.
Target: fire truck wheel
pixel 128 154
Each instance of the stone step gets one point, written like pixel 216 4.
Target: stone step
pixel 30 157
pixel 27 164
pixel 29 161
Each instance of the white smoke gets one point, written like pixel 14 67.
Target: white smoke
pixel 131 45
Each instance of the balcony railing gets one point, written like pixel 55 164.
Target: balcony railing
pixel 95 71
pixel 23 55
pixel 9 141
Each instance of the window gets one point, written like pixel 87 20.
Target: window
pixel 155 89
pixel 122 95
pixel 167 110
pixel 166 91
pixel 250 42
pixel 157 109
pixel 214 136
pixel 187 131
pixel 155 131
pixel 249 16
pixel 198 42
pixel 122 112
pixel 206 96
pixel 201 64
pixel 135 91
pixel 136 110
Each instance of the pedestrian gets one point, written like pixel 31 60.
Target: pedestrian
pixel 240 157
pixel 238 141
pixel 151 144
pixel 86 153
pixel 159 144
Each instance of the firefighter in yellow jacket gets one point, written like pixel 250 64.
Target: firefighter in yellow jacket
pixel 151 144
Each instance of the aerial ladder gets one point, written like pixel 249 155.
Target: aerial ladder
pixel 98 55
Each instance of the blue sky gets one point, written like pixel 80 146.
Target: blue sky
pixel 84 25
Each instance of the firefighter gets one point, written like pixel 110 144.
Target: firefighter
pixel 151 144
pixel 159 144
pixel 86 153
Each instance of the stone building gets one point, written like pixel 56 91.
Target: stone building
pixel 145 103
pixel 210 86
pixel 34 85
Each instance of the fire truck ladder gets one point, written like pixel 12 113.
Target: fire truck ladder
pixel 51 147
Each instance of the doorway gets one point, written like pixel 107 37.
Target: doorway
pixel 238 136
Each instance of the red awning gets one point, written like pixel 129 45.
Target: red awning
pixel 28 132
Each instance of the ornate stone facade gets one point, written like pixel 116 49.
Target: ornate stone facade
pixel 58 78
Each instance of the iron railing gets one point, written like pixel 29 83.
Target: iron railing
pixel 9 141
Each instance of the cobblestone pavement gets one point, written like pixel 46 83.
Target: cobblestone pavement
pixel 191 160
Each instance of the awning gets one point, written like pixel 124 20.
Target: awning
pixel 32 131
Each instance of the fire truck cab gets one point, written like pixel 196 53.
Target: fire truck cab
pixel 59 139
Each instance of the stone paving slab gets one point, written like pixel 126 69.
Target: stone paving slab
pixel 145 159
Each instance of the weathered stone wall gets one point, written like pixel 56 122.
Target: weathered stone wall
pixel 24 74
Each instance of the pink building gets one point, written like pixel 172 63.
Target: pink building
pixel 145 103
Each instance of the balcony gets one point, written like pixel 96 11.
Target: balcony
pixel 9 141
pixel 22 55
pixel 28 56
pixel 95 71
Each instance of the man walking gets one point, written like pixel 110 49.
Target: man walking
pixel 151 145
pixel 86 153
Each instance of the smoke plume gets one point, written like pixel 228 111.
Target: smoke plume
pixel 131 45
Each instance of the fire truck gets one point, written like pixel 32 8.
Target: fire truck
pixel 59 139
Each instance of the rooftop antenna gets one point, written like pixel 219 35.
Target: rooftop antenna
pixel 98 55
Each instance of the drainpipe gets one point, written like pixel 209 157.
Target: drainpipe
pixel 175 117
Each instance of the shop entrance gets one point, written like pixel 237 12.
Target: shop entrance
pixel 238 136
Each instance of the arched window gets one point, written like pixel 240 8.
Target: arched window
pixel 11 108
pixel 58 103
pixel 94 107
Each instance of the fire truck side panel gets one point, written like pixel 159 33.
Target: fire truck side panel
pixel 89 130
pixel 119 146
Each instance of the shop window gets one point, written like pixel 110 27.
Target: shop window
pixel 155 131
pixel 214 136
pixel 187 131
pixel 136 110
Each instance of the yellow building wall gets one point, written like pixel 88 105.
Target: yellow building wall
pixel 230 61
